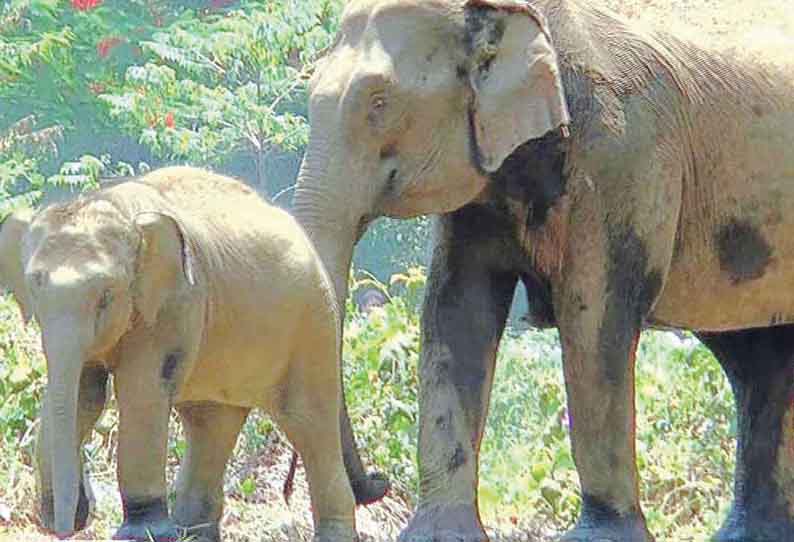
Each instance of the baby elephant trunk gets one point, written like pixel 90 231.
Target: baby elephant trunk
pixel 60 436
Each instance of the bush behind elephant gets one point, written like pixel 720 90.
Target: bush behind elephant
pixel 194 293
pixel 626 177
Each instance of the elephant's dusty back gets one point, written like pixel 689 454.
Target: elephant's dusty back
pixel 260 265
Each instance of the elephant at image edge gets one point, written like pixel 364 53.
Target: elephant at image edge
pixel 196 294
pixel 627 178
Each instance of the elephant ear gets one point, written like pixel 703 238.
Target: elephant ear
pixel 165 263
pixel 12 273
pixel 514 76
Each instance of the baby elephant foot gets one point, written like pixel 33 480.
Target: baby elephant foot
pixel 334 531
pixel 147 521
pixel 370 489
pixel 444 523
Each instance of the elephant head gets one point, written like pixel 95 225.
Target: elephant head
pixel 87 272
pixel 414 106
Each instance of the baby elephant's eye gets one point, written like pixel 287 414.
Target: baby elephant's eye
pixel 105 300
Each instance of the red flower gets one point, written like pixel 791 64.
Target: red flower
pixel 85 5
pixel 96 88
pixel 169 120
pixel 105 45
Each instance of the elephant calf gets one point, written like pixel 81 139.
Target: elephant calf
pixel 194 293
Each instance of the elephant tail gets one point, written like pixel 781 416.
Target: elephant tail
pixel 289 481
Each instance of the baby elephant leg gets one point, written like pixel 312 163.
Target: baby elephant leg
pixel 309 415
pixel 211 430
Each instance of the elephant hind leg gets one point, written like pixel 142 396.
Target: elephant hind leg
pixel 211 430
pixel 308 412
pixel 759 364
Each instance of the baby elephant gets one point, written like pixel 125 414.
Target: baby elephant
pixel 195 293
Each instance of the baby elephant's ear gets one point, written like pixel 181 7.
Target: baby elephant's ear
pixel 514 76
pixel 165 263
pixel 12 269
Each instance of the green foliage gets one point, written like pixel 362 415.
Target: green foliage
pixel 22 183
pixel 202 81
pixel 392 245
pixel 55 55
pixel 22 380
pixel 381 382
pixel 215 85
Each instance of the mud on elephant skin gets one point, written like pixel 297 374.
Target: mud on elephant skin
pixel 627 177
pixel 195 294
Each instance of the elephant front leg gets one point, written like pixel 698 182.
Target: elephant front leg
pixel 144 405
pixel 211 430
pixel 600 303
pixel 760 366
pixel 91 403
pixel 466 307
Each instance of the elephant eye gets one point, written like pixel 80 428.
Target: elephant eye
pixel 378 103
pixel 377 106
pixel 105 300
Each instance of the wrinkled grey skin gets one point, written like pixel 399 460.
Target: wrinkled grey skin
pixel 628 179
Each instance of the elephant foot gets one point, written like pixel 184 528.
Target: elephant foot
pixel 370 489
pixel 600 522
pixel 745 528
pixel 208 532
pixel 85 508
pixel 334 531
pixel 445 523
pixel 611 531
pixel 163 530
pixel 147 521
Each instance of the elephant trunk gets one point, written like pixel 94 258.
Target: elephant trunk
pixel 64 369
pixel 331 222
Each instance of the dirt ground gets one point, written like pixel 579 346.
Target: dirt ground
pixel 748 25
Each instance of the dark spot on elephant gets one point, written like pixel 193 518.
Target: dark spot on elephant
pixel 743 252
pixel 534 176
pixel 481 29
pixel 169 369
pixel 457 460
pixel 631 290
pixel 388 151
pixel 444 422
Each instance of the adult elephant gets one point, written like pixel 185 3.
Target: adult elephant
pixel 627 178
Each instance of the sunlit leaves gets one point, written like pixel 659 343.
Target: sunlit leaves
pixel 226 82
